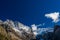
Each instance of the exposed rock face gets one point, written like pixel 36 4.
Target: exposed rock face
pixel 10 32
pixel 5 34
pixel 57 32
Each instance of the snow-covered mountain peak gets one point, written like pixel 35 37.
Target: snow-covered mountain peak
pixel 19 27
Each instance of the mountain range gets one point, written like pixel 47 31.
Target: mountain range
pixel 14 30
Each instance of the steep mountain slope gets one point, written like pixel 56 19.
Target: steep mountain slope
pixel 13 30
pixel 10 32
pixel 5 34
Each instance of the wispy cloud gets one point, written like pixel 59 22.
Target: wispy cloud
pixel 54 16
pixel 37 31
pixel 35 28
pixel 41 24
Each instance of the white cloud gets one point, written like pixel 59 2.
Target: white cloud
pixel 37 31
pixel 54 16
pixel 35 28
pixel 41 24
pixel 44 30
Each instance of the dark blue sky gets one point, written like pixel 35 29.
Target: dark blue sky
pixel 28 11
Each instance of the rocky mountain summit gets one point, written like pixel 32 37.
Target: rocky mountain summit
pixel 10 30
pixel 14 30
